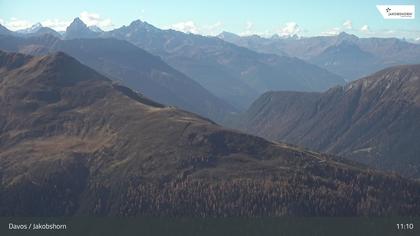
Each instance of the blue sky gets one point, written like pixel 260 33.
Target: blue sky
pixel 305 18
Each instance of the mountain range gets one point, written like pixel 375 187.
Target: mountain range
pixel 127 122
pixel 373 120
pixel 235 74
pixel 75 143
pixel 132 67
pixel 35 30
pixel 344 54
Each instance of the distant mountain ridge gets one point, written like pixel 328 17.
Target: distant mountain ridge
pixel 132 67
pixel 374 120
pixel 383 52
pixel 35 30
pixel 235 74
pixel 347 59
pixel 75 144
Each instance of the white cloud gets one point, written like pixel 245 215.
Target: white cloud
pixel 1 21
pixel 91 18
pixel 365 29
pixel 56 24
pixel 192 27
pixel 214 29
pixel 249 25
pixel 348 24
pixel 17 24
pixel 290 29
pixel 249 29
pixel 186 27
pixel 332 32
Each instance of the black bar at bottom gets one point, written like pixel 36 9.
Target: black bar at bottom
pixel 313 226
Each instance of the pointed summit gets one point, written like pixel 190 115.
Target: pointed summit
pixel 142 25
pixel 77 24
pixel 343 36
pixel 78 29
pixel 78 21
pixel 136 22
pixel 33 29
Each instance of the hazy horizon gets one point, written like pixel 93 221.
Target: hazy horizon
pixel 302 18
